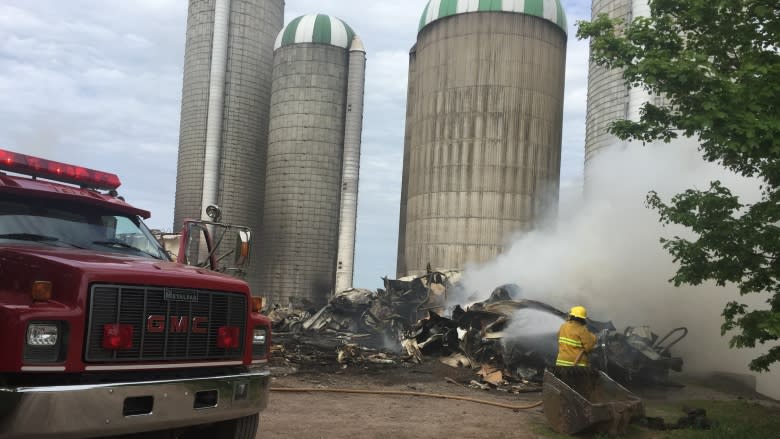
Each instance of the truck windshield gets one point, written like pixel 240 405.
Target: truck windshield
pixel 43 222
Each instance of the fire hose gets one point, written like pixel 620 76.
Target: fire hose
pixel 405 393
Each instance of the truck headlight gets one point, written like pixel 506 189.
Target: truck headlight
pixel 42 334
pixel 259 336
pixel 260 346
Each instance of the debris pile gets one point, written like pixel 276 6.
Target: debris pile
pixel 638 353
pixel 391 310
pixel 358 326
pixel 519 339
pixel 507 341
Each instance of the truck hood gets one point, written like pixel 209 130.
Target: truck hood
pixel 70 270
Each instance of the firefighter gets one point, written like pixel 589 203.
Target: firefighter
pixel 574 339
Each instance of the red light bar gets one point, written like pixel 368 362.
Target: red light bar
pixel 37 167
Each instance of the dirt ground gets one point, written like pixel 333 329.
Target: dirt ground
pixel 323 415
pixel 327 415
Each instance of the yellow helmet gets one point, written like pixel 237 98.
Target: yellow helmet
pixel 579 312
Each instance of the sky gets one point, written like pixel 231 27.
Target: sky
pixel 98 84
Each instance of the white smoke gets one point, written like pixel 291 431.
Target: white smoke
pixel 604 253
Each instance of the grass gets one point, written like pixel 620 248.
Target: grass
pixel 730 419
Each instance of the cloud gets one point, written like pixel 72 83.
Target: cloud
pixel 99 85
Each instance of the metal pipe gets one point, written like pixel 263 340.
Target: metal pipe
pixel 637 96
pixel 400 268
pixel 219 51
pixel 353 127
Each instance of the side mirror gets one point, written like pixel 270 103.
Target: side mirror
pixel 195 246
pixel 243 247
pixel 220 247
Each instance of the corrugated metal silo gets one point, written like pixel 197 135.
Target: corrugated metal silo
pixel 299 240
pixel 224 117
pixel 482 159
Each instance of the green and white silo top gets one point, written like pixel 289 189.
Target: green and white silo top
pixel 550 10
pixel 317 29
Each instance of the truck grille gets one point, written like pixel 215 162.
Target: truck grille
pixel 133 305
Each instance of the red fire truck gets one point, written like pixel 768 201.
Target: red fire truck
pixel 101 333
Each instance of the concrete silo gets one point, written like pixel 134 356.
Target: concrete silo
pixel 313 158
pixel 224 116
pixel 609 98
pixel 483 135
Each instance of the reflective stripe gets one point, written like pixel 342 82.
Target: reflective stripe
pixel 570 342
pixel 569 363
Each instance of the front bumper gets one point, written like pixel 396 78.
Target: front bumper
pixel 83 411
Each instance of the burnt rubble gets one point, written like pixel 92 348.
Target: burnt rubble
pixel 389 312
pixel 358 326
pixel 507 341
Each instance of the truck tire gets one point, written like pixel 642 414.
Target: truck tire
pixel 241 428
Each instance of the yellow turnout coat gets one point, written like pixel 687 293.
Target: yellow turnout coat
pixel 573 338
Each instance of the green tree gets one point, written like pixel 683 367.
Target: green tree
pixel 716 64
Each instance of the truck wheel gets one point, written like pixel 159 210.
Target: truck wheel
pixel 241 428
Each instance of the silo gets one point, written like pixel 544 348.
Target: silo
pixel 607 90
pixel 224 117
pixel 484 121
pixel 306 154
pixel 609 97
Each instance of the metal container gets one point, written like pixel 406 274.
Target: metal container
pixel 580 399
pixel 306 158
pixel 224 116
pixel 483 133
